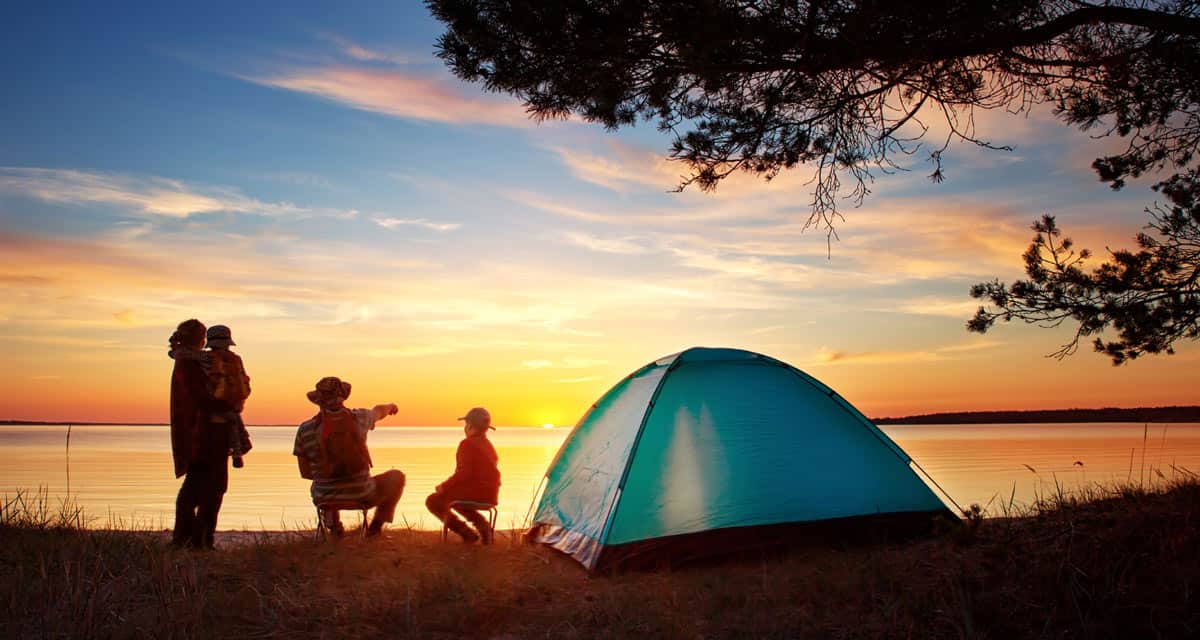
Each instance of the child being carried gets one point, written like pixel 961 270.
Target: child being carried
pixel 228 382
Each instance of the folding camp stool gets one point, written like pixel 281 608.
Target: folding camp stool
pixel 474 506
pixel 339 505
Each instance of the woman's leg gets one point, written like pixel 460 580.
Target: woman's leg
pixel 185 510
pixel 213 487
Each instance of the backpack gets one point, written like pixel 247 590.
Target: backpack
pixel 343 448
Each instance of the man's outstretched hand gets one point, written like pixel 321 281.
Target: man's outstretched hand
pixel 381 411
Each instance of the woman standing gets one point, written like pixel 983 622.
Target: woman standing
pixel 199 445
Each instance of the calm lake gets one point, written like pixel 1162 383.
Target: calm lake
pixel 122 475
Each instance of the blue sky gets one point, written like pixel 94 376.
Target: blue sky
pixel 314 177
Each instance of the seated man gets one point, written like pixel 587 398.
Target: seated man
pixel 331 449
pixel 476 478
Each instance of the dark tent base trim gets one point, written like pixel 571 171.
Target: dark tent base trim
pixel 732 543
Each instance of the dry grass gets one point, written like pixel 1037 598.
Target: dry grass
pixel 1120 562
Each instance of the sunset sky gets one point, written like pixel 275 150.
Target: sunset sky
pixel 313 177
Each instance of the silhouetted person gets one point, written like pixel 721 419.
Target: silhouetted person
pixel 199 446
pixel 331 449
pixel 476 478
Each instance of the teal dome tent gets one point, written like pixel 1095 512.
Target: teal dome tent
pixel 708 449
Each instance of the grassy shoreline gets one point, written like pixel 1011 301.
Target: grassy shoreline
pixel 1118 562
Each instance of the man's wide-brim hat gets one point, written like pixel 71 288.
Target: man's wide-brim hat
pixel 329 388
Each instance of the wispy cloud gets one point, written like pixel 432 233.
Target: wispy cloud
pixel 971 346
pixel 577 380
pixel 112 281
pixel 413 351
pixel 398 93
pixel 293 178
pixel 750 267
pixel 482 343
pixel 126 317
pixel 832 356
pixel 563 363
pixel 119 281
pixel 64 341
pixel 626 168
pixel 771 329
pixel 392 223
pixel 763 239
pixel 482 313
pixel 623 168
pixel 625 245
pixel 961 308
pixel 663 217
pixel 352 49
pixel 150 195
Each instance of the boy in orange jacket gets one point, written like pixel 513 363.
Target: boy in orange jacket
pixel 476 478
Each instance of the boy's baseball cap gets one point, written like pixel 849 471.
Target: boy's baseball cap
pixel 479 415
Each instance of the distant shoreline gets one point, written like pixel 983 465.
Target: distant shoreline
pixel 1189 413
pixel 1108 414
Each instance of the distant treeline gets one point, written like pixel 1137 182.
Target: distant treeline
pixel 1110 414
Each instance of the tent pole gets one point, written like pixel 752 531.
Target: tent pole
pixel 534 498
pixel 935 483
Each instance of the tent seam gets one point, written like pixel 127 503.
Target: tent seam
pixel 637 439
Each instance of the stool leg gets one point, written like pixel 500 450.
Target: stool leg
pixel 324 512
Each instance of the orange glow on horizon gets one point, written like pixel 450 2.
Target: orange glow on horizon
pixel 433 392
